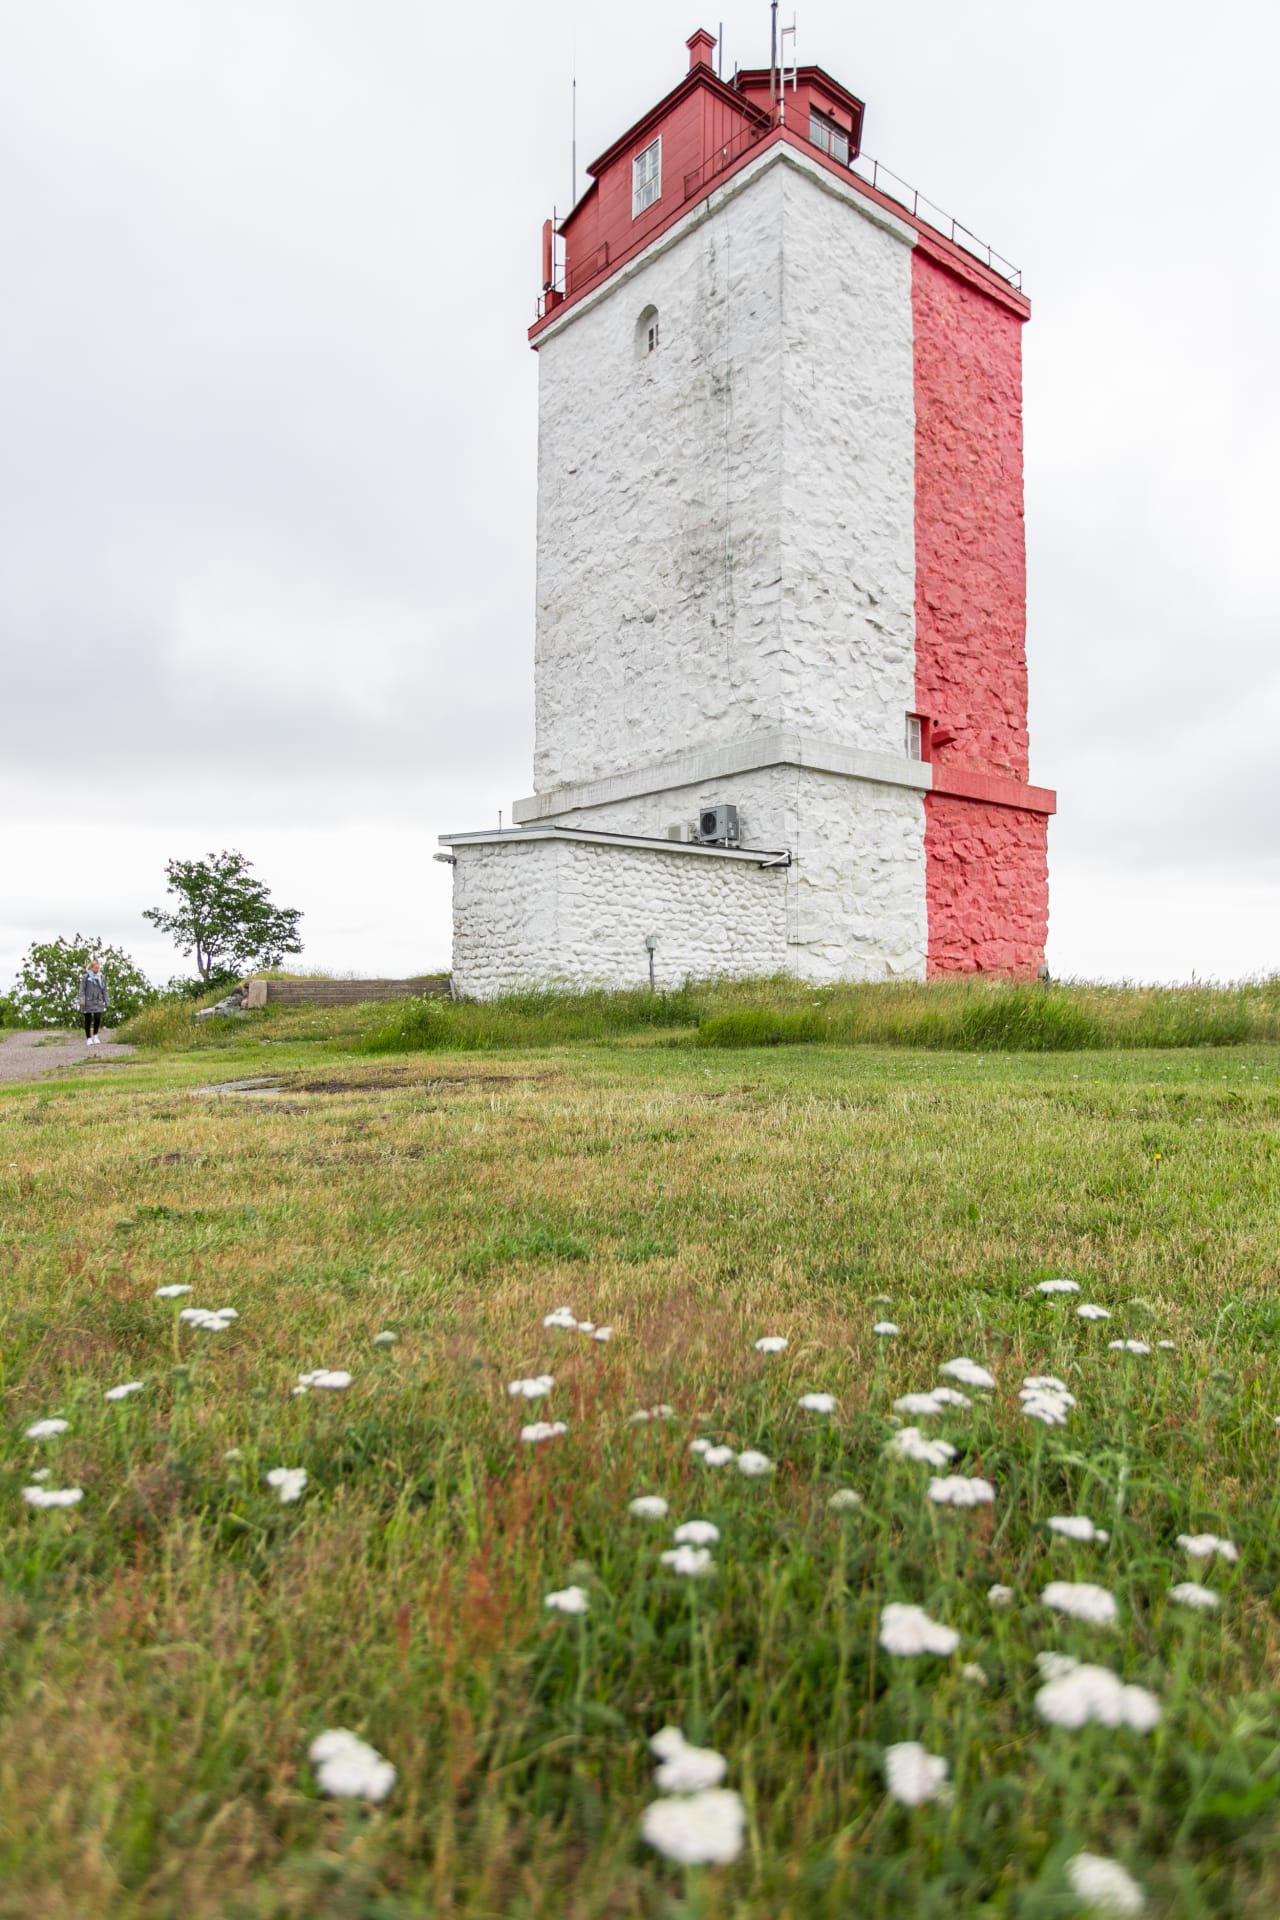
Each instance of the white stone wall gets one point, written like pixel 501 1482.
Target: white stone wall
pixel 556 911
pixel 856 887
pixel 659 527
pixel 726 526
pixel 848 482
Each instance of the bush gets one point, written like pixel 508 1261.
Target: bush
pixel 49 981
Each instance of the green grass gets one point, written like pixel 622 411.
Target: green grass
pixel 170 1647
pixel 966 1014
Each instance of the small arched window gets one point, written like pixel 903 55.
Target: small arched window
pixel 647 333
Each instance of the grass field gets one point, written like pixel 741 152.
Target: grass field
pixel 172 1644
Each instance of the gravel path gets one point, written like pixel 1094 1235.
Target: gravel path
pixel 29 1054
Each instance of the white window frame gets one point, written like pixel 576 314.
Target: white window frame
pixel 914 737
pixel 646 177
pixel 828 136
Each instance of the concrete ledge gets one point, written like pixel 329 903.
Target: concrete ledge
pixel 598 837
pixel 780 747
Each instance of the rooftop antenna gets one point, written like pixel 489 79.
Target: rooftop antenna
pixel 720 52
pixel 788 33
pixel 573 127
pixel 773 55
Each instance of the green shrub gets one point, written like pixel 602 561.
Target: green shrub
pixel 49 977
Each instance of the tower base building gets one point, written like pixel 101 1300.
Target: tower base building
pixel 780 668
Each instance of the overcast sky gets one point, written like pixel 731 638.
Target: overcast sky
pixel 267 435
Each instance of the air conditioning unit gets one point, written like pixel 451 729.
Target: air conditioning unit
pixel 718 826
pixel 685 831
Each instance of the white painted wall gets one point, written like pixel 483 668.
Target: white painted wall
pixel 856 887
pixel 726 526
pixel 550 912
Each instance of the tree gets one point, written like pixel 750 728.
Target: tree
pixel 49 980
pixel 226 919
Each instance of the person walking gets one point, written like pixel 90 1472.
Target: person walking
pixel 93 1000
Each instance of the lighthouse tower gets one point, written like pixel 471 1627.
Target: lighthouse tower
pixel 780 669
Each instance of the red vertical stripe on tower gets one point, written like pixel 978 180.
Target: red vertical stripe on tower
pixel 986 875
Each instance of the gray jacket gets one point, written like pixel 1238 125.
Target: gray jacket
pixel 93 996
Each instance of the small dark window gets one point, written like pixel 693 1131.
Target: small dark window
pixel 828 137
pixel 647 333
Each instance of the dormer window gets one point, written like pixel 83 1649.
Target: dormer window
pixel 828 137
pixel 646 178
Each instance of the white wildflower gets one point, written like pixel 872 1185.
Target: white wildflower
pixel 1000 1596
pixel 534 1389
pixel 1046 1383
pixel 844 1500
pixel 1204 1546
pixel 1167 1346
pixel 1127 1346
pixel 386 1338
pixel 967 1372
pixel 881 1300
pixel 917 1403
pixel 956 1490
pixel 226 1313
pixel 562 1317
pixel 1058 1286
pixel 818 1402
pixel 602 1333
pixel 666 1742
pixel 697 1829
pixel 756 1466
pixel 949 1397
pixel 649 1506
pixel 585 1326
pixel 209 1320
pixel 696 1533
pixel 974 1674
pixel 288 1483
pixel 542 1430
pixel 1082 1600
pixel 910 1444
pixel 233 1453
pixel 690 1770
pixel 1091 1312
pixel 1076 1526
pixel 1076 1694
pixel 1050 1409
pixel 53 1496
pixel 173 1292
pixel 717 1456
pixel 1188 1594
pixel 692 1562
pixel 909 1630
pixel 1104 1887
pixel 327 1379
pixel 914 1776
pixel 772 1343
pixel 47 1429
pixel 643 1415
pixel 123 1391
pixel 568 1600
pixel 885 1328
pixel 44 1473
pixel 700 1445
pixel 347 1768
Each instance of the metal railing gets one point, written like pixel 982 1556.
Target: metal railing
pixel 914 202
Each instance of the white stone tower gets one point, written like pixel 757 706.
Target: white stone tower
pixel 770 469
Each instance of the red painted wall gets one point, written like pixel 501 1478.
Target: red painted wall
pixel 986 873
pixel 986 886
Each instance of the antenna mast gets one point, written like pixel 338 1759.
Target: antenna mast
pixel 773 55
pixel 573 133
